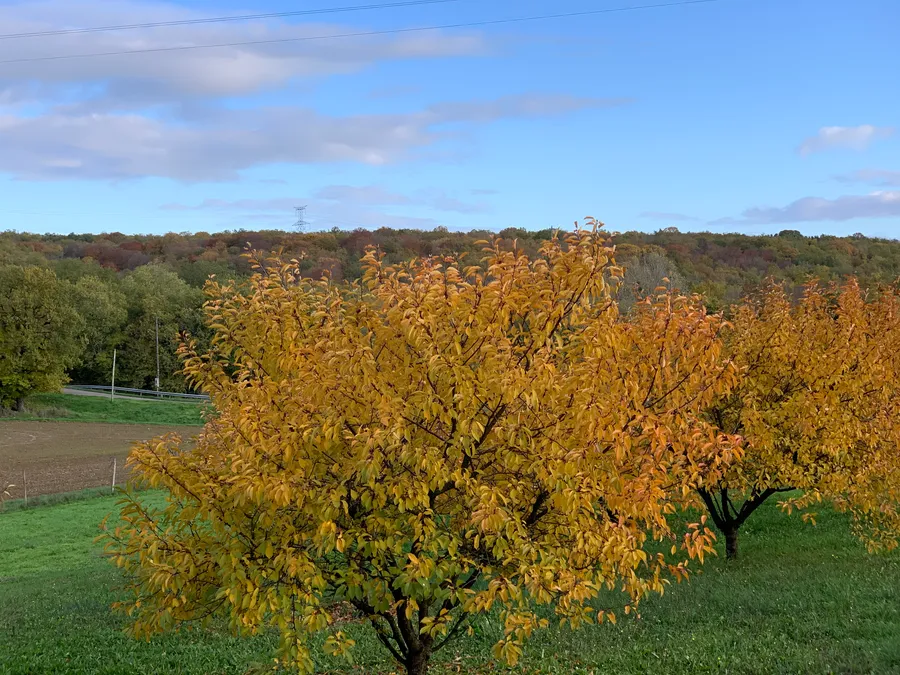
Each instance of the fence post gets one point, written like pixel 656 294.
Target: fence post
pixel 114 475
pixel 25 487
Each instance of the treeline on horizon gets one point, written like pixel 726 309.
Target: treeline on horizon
pixel 118 286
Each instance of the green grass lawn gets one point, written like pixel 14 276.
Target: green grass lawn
pixel 802 599
pixel 55 499
pixel 121 410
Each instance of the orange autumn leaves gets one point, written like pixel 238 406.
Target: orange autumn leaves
pixel 817 407
pixel 443 438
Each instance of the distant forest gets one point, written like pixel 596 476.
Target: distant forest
pixel 121 285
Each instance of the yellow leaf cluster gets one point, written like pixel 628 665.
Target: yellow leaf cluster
pixel 817 407
pixel 436 440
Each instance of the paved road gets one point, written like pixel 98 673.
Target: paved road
pixel 104 394
pixel 82 392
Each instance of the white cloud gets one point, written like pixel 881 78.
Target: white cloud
pixel 879 177
pixel 217 144
pixel 853 138
pixel 882 204
pixel 172 114
pixel 118 146
pixel 126 80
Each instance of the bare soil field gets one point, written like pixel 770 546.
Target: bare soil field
pixel 66 456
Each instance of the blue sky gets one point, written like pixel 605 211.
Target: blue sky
pixel 730 115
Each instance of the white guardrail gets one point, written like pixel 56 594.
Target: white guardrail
pixel 126 391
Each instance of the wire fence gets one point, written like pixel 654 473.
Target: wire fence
pixel 49 477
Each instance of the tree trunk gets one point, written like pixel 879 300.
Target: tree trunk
pixel 20 405
pixel 417 662
pixel 731 542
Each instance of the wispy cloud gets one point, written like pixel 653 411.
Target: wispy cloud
pixel 853 138
pixel 882 204
pixel 165 115
pixel 217 144
pixel 162 77
pixel 878 177
pixel 524 105
pixel 440 201
pixel 340 202
pixel 366 194
pixel 396 91
pixel 373 195
pixel 665 215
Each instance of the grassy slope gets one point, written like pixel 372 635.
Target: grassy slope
pixel 802 600
pixel 72 408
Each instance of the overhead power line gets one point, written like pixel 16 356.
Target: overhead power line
pixel 371 33
pixel 223 19
pixel 175 215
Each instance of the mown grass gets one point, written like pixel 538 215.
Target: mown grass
pixel 55 499
pixel 68 407
pixel 802 599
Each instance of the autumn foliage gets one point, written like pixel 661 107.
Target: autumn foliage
pixel 817 407
pixel 438 440
pixel 446 438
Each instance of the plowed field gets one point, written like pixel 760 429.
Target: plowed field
pixel 65 456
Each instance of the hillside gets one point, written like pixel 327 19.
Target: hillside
pixel 123 285
pixel 725 266
pixel 735 260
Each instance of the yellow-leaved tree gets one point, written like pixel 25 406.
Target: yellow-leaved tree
pixel 817 406
pixel 437 441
